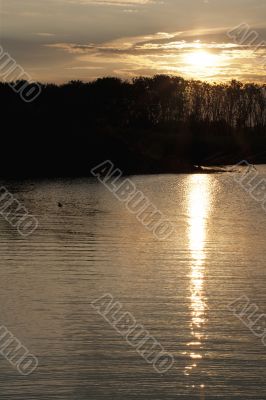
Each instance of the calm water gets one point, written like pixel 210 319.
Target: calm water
pixel 178 289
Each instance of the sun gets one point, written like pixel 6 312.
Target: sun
pixel 200 59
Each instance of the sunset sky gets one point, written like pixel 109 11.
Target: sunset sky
pixel 60 40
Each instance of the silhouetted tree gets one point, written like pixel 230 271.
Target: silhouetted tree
pixel 152 124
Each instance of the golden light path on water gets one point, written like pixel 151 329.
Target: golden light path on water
pixel 198 212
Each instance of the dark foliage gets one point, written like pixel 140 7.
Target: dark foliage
pixel 159 124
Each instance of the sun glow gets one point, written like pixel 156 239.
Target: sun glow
pixel 201 59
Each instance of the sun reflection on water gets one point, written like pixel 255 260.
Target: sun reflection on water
pixel 198 210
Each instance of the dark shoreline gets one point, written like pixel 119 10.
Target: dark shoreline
pixel 158 125
pixel 203 170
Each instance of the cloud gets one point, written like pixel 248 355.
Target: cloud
pixel 45 34
pixel 119 3
pixel 159 43
pixel 169 53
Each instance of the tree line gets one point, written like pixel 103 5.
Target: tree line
pixel 158 124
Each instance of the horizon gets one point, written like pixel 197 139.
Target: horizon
pixel 130 80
